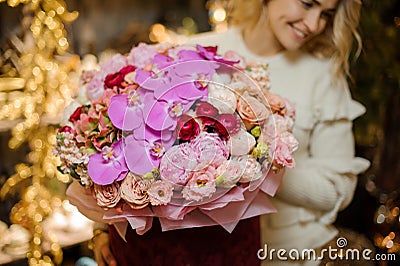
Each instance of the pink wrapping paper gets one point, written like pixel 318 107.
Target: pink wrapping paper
pixel 239 203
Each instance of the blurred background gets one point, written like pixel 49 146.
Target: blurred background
pixel 42 44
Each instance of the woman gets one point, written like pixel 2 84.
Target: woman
pixel 307 44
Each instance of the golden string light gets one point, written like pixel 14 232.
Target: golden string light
pixel 34 90
pixel 386 218
pixel 218 17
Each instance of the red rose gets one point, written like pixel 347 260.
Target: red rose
pixel 128 69
pixel 187 128
pixel 65 129
pixel 76 115
pixel 206 109
pixel 117 78
pixel 113 80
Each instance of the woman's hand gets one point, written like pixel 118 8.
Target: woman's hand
pixel 102 251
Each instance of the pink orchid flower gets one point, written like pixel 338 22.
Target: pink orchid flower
pixel 109 165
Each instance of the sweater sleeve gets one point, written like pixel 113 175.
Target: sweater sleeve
pixel 326 176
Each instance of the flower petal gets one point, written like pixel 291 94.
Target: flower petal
pixel 137 156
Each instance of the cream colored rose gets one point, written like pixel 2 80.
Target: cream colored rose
pixel 107 196
pixel 250 166
pixel 241 143
pixel 134 191
pixel 231 171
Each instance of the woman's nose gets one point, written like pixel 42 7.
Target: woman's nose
pixel 312 21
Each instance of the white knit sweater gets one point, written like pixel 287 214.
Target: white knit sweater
pixel 325 176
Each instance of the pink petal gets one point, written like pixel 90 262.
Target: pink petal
pixel 137 156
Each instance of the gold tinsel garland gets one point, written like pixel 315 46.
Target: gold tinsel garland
pixel 35 86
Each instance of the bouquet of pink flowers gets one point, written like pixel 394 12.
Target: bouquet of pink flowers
pixel 180 133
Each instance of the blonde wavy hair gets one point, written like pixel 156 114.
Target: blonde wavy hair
pixel 335 42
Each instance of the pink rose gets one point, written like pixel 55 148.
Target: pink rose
pixel 252 111
pixel 160 193
pixel 200 185
pixel 107 196
pixel 134 191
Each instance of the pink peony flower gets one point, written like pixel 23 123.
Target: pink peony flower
pixel 200 185
pixel 177 163
pixel 107 196
pixel 209 149
pixel 134 191
pixel 160 193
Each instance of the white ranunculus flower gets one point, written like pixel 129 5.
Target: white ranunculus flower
pixel 222 98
